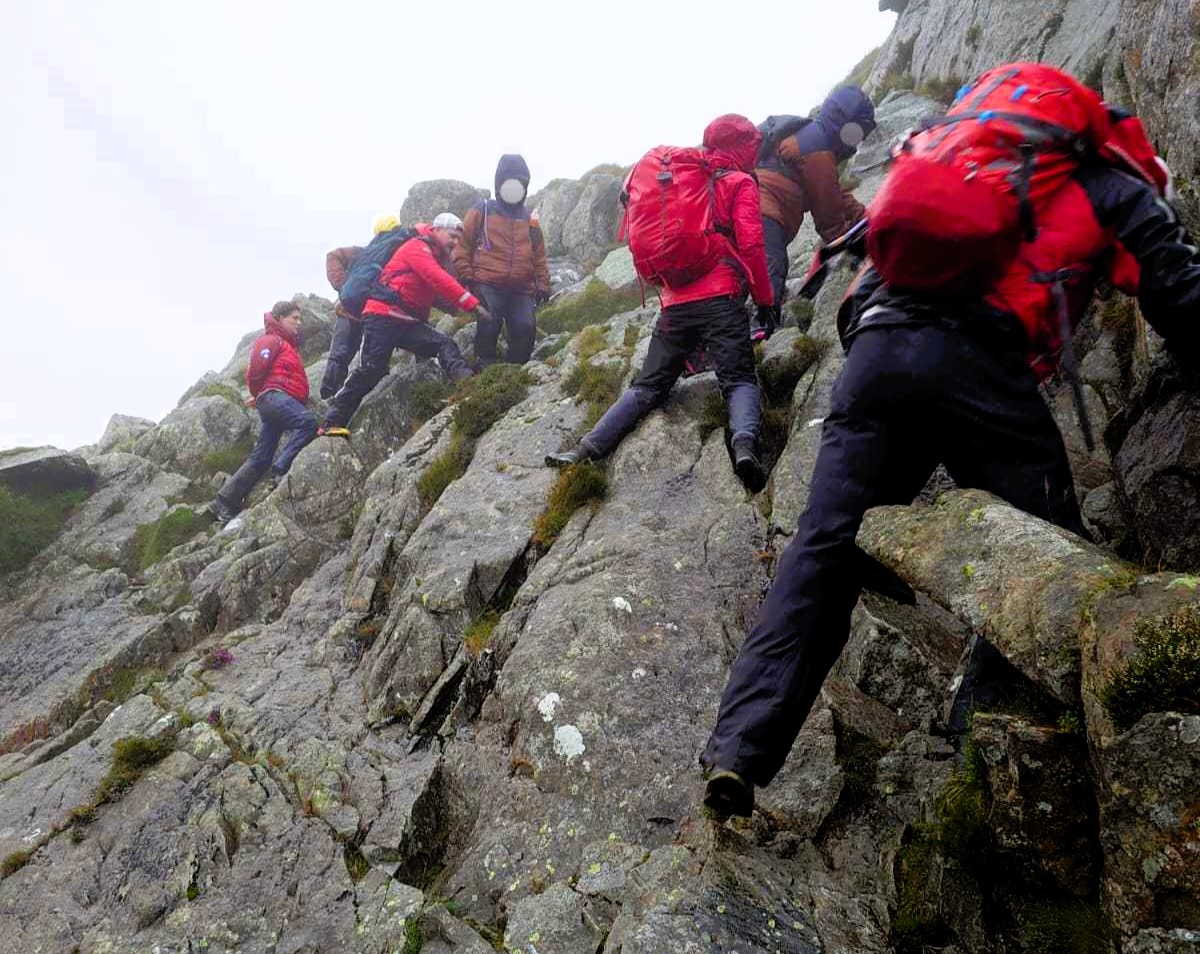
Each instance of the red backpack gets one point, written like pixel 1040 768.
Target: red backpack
pixel 670 217
pixel 965 192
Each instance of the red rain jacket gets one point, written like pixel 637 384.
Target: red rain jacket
pixel 416 272
pixel 275 364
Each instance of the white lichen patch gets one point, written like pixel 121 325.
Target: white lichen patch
pixel 548 705
pixel 622 605
pixel 568 742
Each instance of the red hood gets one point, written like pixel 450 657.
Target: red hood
pixel 275 327
pixel 733 141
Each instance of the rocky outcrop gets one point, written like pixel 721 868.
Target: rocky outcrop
pixel 580 218
pixel 44 471
pixel 427 199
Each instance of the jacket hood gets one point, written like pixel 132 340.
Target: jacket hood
pixel 733 140
pixel 275 327
pixel 511 166
pixel 846 104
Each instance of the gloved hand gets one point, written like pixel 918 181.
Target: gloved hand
pixel 768 318
pixel 482 312
pixel 541 296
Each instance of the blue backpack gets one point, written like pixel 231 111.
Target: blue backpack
pixel 362 282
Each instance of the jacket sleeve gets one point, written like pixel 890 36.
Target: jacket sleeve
pixel 419 257
pixel 1168 286
pixel 833 209
pixel 263 353
pixel 748 236
pixel 464 252
pixel 337 265
pixel 537 239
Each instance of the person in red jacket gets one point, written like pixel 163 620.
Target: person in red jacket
pixel 709 311
pixel 279 388
pixel 414 280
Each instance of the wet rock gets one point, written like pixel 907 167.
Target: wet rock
pixel 44 471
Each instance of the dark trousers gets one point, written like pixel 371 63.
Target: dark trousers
pixel 382 336
pixel 511 309
pixel 775 238
pixel 347 337
pixel 721 325
pixel 280 414
pixel 906 399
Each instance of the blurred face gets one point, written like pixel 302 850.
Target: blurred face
pixel 291 321
pixel 446 238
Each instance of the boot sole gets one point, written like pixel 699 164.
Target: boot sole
pixel 751 473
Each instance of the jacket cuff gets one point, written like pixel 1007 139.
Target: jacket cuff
pixel 467 301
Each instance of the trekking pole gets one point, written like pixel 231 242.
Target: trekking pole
pixel 1070 363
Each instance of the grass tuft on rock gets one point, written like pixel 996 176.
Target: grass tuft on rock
pixel 1163 676
pixel 591 341
pixel 1065 927
pixel 414 938
pixel 153 541
pixel 426 398
pixel 477 636
pixel 941 89
pixel 14 862
pixel 576 487
pixel 596 385
pixel 593 306
pixel 221 390
pixel 357 866
pixel 225 460
pixel 443 470
pixel 802 311
pixel 29 525
pixel 482 400
pixel 131 757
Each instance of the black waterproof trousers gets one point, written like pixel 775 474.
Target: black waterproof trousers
pixel 382 336
pixel 721 325
pixel 347 339
pixel 511 310
pixel 907 399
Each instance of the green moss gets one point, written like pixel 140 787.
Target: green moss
pixel 575 487
pixel 595 305
pixel 714 415
pixel 596 385
pixel 131 757
pixel 591 342
pixel 444 470
pixel 893 80
pixel 632 334
pixel 779 376
pixel 153 541
pixel 1065 927
pixel 974 35
pixel 426 398
pixel 859 756
pixel 221 390
pixel 227 459
pixel 479 633
pixel 487 397
pixel 28 525
pixel 357 866
pixel 1165 673
pixel 941 89
pixel 414 938
pixel 14 863
pixel 915 919
pixel 350 521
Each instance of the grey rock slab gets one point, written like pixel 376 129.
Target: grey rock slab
pixel 807 788
pixel 446 934
pixel 554 205
pixel 184 437
pixel 1163 941
pixel 591 228
pixel 555 920
pixel 120 433
pixel 426 199
pixel 44 471
pixel 617 271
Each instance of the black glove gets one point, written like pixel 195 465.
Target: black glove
pixel 541 296
pixel 768 318
pixel 482 312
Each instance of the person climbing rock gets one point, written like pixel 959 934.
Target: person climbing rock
pixel 797 172
pixel 396 315
pixel 502 259
pixel 703 276
pixel 945 338
pixel 347 327
pixel 279 389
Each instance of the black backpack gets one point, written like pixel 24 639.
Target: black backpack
pixel 362 282
pixel 775 129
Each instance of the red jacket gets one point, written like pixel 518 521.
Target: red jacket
pixel 275 364
pixel 417 273
pixel 732 144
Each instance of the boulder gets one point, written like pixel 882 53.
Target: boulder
pixel 554 205
pixel 617 271
pixel 121 433
pixel 44 471
pixel 204 435
pixel 427 199
pixel 590 230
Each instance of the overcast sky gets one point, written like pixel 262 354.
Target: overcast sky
pixel 170 170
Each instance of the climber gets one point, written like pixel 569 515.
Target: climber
pixel 347 328
pixel 707 310
pixel 279 391
pixel 413 281
pixel 502 259
pixel 797 172
pixel 945 339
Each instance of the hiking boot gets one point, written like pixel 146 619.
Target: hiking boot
pixel 726 795
pixel 222 510
pixel 577 455
pixel 747 465
pixel 333 431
